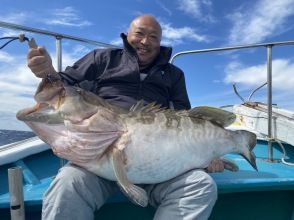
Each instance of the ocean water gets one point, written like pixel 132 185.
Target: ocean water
pixel 10 136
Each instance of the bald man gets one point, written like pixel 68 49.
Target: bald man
pixel 138 71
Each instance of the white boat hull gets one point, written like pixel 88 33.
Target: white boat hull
pixel 255 117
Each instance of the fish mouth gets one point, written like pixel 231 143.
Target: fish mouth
pixel 41 112
pixel 251 159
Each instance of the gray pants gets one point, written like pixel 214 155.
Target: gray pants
pixel 76 193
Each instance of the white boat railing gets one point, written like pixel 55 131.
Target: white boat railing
pixel 269 47
pixel 58 37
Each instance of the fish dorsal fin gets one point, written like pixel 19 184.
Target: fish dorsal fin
pixel 217 115
pixel 137 106
pixel 140 106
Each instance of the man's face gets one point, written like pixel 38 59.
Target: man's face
pixel 144 35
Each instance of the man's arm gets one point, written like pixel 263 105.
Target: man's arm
pixel 40 63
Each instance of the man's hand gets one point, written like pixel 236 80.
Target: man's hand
pixel 216 165
pixel 40 62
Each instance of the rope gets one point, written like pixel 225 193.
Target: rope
pixel 21 38
pixel 283 149
pixel 285 154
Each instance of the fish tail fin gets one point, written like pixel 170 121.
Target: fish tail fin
pixel 250 157
pixel 249 142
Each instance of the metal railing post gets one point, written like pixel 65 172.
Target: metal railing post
pixel 59 69
pixel 269 100
pixel 59 53
pixel 17 211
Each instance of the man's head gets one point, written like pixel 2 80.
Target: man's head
pixel 144 35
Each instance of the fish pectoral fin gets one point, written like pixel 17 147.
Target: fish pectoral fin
pixel 230 165
pixel 135 193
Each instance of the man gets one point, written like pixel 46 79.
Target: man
pixel 123 76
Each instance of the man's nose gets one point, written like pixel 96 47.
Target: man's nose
pixel 145 40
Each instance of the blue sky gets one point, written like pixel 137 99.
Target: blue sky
pixel 187 25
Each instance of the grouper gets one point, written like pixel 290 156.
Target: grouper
pixel 143 145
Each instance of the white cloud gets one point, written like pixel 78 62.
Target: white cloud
pixel 15 17
pixel 264 19
pixel 253 76
pixel 200 9
pixel 15 77
pixel 67 16
pixel 173 36
pixel 9 33
pixel 166 9
pixel 17 86
pixel 249 78
pixel 5 57
pixel 117 42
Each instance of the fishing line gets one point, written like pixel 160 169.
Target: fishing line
pixel 21 38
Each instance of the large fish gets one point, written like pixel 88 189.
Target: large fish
pixel 144 145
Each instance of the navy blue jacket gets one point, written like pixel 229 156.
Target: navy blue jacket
pixel 114 75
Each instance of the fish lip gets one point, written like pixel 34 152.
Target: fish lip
pixel 21 114
pixel 40 107
pixel 27 114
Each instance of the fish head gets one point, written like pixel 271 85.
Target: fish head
pixel 57 103
pixel 64 111
pixel 49 97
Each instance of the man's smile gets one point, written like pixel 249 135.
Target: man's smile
pixel 142 50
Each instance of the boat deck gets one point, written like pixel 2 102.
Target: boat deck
pixel 271 175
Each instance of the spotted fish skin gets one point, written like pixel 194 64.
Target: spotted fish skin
pixel 160 145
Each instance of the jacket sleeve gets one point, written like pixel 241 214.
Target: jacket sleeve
pixel 178 93
pixel 88 68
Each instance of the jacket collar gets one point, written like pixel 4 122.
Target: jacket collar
pixel 162 59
